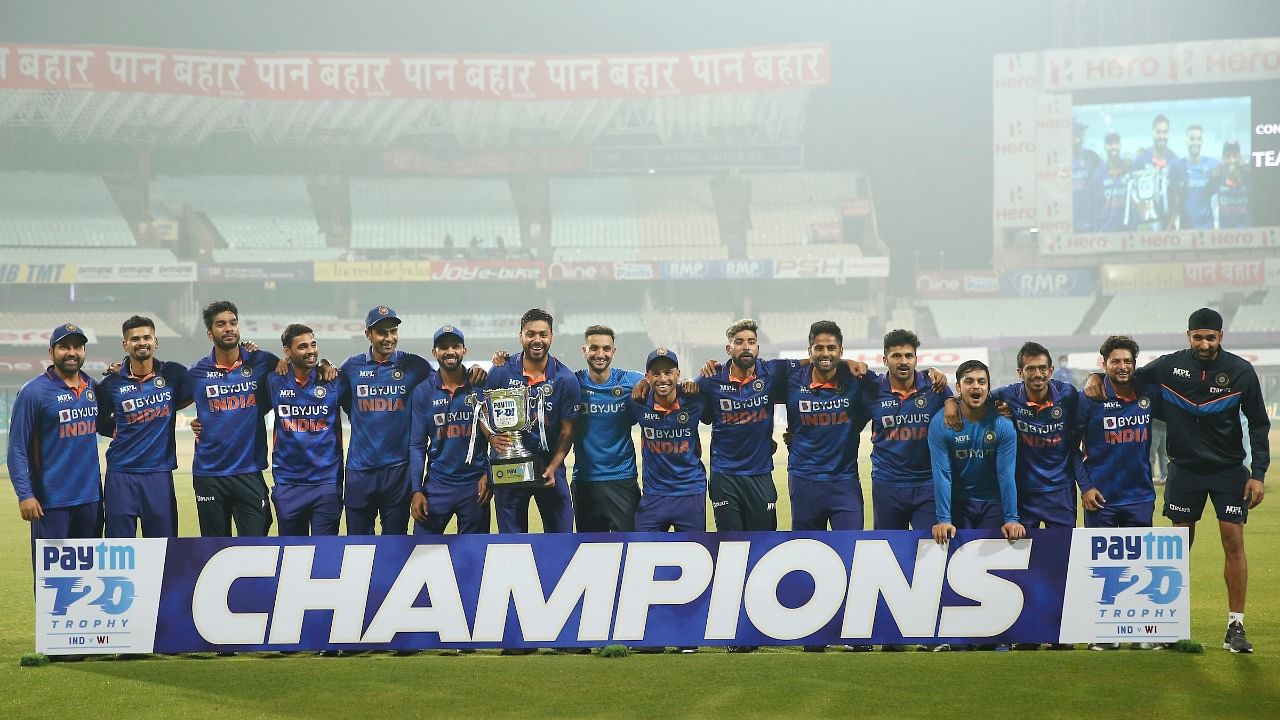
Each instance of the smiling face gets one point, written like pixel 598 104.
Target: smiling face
pixel 664 378
pixel 825 352
pixel 1119 366
pixel 1205 343
pixel 535 340
pixel 225 330
pixel 68 355
pixel 383 338
pixel 599 351
pixel 743 349
pixel 449 352
pixel 140 343
pixel 1035 372
pixel 303 352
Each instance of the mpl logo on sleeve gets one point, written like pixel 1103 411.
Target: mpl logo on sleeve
pixel 98 596
pixel 1127 584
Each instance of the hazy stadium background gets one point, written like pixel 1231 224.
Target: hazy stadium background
pixel 892 158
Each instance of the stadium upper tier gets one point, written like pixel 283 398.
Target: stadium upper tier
pixel 1009 317
pixel 1261 317
pixel 790 327
pixel 60 210
pixel 1134 312
pixel 789 209
pixel 91 256
pixel 422 212
pixel 258 256
pixel 256 211
pixel 675 328
pixel 106 325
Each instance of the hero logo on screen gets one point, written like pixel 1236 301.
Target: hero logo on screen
pixel 1155 583
pixel 110 594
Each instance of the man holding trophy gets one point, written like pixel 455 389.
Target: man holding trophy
pixel 528 412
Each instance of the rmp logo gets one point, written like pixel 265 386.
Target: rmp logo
pixel 1160 584
pixel 112 595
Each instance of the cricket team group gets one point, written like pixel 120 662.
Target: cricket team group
pixel 973 457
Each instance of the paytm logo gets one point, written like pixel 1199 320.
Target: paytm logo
pixel 1161 584
pixel 112 595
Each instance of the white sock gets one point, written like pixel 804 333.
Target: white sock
pixel 1235 617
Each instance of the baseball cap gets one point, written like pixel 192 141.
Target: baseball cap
pixel 67 330
pixel 380 314
pixel 661 354
pixel 448 330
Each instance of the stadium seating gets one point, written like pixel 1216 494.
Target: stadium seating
pixel 259 256
pixel 60 210
pixel 106 325
pixel 1008 317
pixel 1260 317
pixel 250 212
pixel 622 323
pixel 672 329
pixel 1134 312
pixel 421 212
pixel 791 327
pixel 786 208
pixel 93 256
pixel 594 213
pixel 475 325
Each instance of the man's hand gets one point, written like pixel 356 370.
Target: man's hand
pixel 951 414
pixel 1093 500
pixel 112 369
pixel 1093 387
pixel 418 506
pixel 484 493
pixel 857 367
pixel 477 376
pixel 689 387
pixel 549 475
pixel 943 532
pixel 500 357
pixel 711 367
pixel 500 442
pixel 1013 531
pixel 938 379
pixel 196 427
pixel 327 371
pixel 640 392
pixel 1003 408
pixel 249 346
pixel 282 367
pixel 786 437
pixel 1253 492
pixel 30 509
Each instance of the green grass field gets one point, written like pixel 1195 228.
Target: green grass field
pixel 770 683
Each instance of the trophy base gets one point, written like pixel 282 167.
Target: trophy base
pixel 518 473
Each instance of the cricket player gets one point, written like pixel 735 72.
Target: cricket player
pixel 306 455
pixel 675 480
pixel 138 409
pixel 448 458
pixel 53 445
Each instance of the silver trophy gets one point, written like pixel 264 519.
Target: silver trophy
pixel 508 412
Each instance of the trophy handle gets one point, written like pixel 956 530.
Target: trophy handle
pixel 482 412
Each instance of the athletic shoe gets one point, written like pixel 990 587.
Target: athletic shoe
pixel 859 648
pixel 1104 646
pixel 574 650
pixel 815 648
pixel 738 649
pixel 518 651
pixel 1061 646
pixel 893 648
pixel 944 647
pixel 1235 641
pixel 993 648
pixel 687 649
pixel 1026 646
pixel 1150 646
pixel 649 650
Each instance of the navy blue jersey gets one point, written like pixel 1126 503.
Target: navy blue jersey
pixel 900 430
pixel 560 400
pixel 140 416
pixel 1197 195
pixel 825 420
pixel 742 416
pixel 378 405
pixel 1116 433
pixel 975 462
pixel 669 445
pixel 231 403
pixel 444 438
pixel 1233 203
pixel 53 442
pixel 602 447
pixel 1110 191
pixel 307 442
pixel 1083 165
pixel 1047 443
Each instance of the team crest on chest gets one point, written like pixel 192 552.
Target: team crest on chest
pixel 320 392
pixel 921 401
pixel 159 382
pixel 247 371
pixel 682 417
pixel 89 394
pixel 470 400
pixel 758 385
pixel 545 390
pixel 617 392
pixel 1221 379
pixel 1056 412
pixel 1144 402
pixel 990 437
pixel 397 374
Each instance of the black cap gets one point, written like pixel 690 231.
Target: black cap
pixel 1205 319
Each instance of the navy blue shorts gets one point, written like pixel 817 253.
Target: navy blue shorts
pixel 817 503
pixel 1118 516
pixel 903 507
pixel 1186 491
pixel 743 502
pixel 447 500
pixel 146 498
pixel 554 505
pixel 972 514
pixel 384 492
pixel 307 509
pixel 682 513
pixel 1056 508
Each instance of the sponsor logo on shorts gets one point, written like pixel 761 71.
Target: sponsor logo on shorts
pixel 204 498
pixel 1233 510
pixel 1179 508
pixel 719 503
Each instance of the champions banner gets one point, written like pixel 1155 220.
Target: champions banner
pixel 641 589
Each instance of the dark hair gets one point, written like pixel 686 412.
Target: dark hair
pixel 1118 342
pixel 1195 127
pixel 595 330
pixel 1111 137
pixel 825 327
pixel 215 309
pixel 1230 146
pixel 969 366
pixel 535 315
pixel 294 331
pixel 137 321
pixel 1032 349
pixel 893 338
pixel 1159 119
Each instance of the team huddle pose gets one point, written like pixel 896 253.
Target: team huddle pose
pixel 1006 459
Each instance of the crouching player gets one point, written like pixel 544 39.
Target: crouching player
pixel 973 467
pixel 307 446
pixel 444 440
